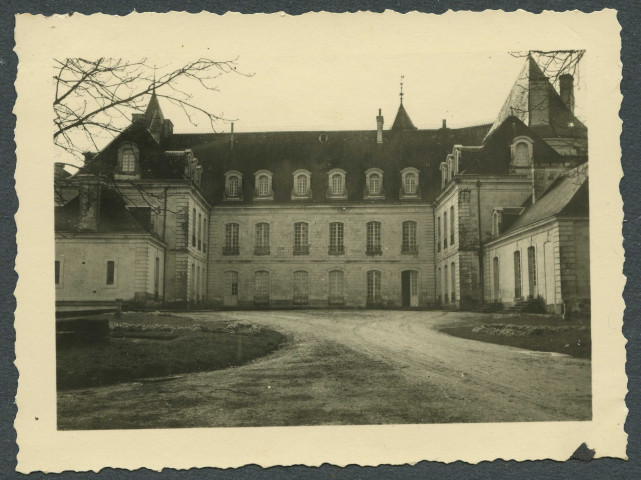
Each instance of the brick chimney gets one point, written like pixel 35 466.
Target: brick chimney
pixel 379 127
pixel 58 170
pixel 89 202
pixel 566 86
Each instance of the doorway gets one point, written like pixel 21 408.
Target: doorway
pixel 409 288
pixel 230 298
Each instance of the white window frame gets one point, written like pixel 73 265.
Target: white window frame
pixel 336 287
pixel 373 244
pixel 331 193
pixel 301 238
pixel 296 194
pixel 262 238
pixel 336 238
pixel 370 193
pixel 260 297
pixel 231 245
pixel 121 172
pixel 409 237
pixel 404 191
pixel 239 188
pixel 300 280
pixel 374 287
pixel 263 195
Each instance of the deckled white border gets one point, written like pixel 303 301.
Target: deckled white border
pixel 42 447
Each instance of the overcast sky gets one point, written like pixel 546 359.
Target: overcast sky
pixel 334 72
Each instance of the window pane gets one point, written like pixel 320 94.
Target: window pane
pixel 517 274
pixel 337 184
pixel 57 272
pixel 410 183
pixel 409 237
pixel 301 185
pixel 263 185
pixel 374 184
pixel 373 237
pixel 336 238
pixel 111 270
pixel 232 188
pixel 232 246
pixel 373 286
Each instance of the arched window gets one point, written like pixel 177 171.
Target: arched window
pixel 409 244
pixel 302 183
pixel 522 148
pixel 336 287
pixel 374 183
pixel 373 238
pixel 301 288
pixel 409 183
pixel 233 184
pixel 374 287
pixel 262 239
pixel 337 184
pixel 128 156
pixel 261 287
pixel 531 271
pixel 301 238
pixel 263 185
pixel 517 274
pixel 232 245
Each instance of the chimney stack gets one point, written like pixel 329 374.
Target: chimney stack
pixel 566 84
pixel 231 137
pixel 89 199
pixel 379 127
pixel 444 124
pixel 58 170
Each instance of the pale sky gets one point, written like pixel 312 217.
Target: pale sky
pixel 333 72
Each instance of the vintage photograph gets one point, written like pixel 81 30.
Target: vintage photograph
pixel 212 270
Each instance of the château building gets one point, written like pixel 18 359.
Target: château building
pixel 387 217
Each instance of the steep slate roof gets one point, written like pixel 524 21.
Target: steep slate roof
pixel 520 103
pixel 402 120
pixel 282 153
pixel 113 216
pixel 567 196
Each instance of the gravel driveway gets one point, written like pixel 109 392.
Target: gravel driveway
pixel 350 367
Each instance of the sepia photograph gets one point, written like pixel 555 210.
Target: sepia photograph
pixel 341 223
pixel 395 273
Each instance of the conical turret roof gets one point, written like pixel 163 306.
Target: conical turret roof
pixel 402 121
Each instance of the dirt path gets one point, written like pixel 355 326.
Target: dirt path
pixel 352 367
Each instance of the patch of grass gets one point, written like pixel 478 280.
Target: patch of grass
pixel 543 333
pixel 145 345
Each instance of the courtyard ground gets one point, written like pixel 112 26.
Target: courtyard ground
pixel 349 367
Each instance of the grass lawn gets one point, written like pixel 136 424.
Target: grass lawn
pixel 544 333
pixel 143 345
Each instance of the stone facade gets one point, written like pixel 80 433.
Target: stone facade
pixel 282 258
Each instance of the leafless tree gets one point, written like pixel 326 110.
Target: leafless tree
pixel 555 63
pixel 93 96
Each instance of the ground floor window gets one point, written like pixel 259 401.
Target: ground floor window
pixel 517 274
pixel 374 287
pixel 446 297
pixel 495 271
pixel 111 272
pixel 261 288
pixel 336 287
pixel 57 272
pixel 531 270
pixel 301 288
pixel 453 273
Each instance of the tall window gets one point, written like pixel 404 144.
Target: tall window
pixel 233 186
pixel 438 284
pixel 438 235
pixel 205 234
pixel 337 184
pixel 374 286
pixel 200 231
pixel 157 278
pixel 336 239
pixel 336 287
pixel 197 286
pixel 374 184
pixel 446 297
pixel 410 183
pixel 57 272
pixel 445 229
pixel 301 185
pixel 301 287
pixel 128 155
pixel 453 273
pixel 497 285
pixel 193 281
pixel 517 274
pixel 261 287
pixel 232 245
pixel 531 270
pixel 262 239
pixel 193 228
pixel 111 272
pixel 301 239
pixel 452 225
pixel 263 185
pixel 373 238
pixel 409 237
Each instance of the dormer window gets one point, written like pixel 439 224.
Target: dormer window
pixel 302 185
pixel 337 189
pixel 374 184
pixel 263 185
pixel 522 152
pixel 409 183
pixel 233 185
pixel 128 156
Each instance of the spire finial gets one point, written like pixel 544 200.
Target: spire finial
pixel 402 77
pixel 153 87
